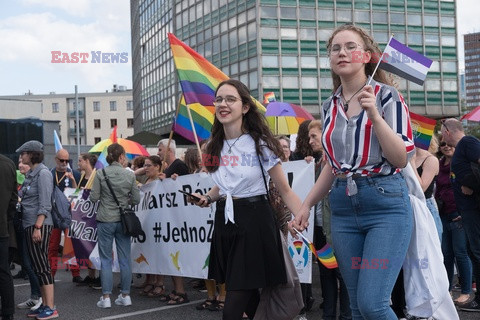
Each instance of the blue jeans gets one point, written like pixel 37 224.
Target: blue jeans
pixel 371 232
pixel 454 246
pixel 432 206
pixel 471 224
pixel 107 231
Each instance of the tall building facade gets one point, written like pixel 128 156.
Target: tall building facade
pixel 98 113
pixel 280 46
pixel 472 69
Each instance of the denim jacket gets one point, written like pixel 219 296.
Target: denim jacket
pixel 37 196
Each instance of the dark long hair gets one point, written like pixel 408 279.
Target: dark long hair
pixel 370 45
pixel 302 146
pixel 253 123
pixel 114 151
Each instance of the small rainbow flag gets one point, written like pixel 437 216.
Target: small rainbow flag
pixel 268 97
pixel 199 80
pixel 324 255
pixel 422 128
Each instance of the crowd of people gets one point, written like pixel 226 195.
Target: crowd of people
pixel 360 199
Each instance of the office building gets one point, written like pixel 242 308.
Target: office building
pixel 98 113
pixel 280 46
pixel 472 69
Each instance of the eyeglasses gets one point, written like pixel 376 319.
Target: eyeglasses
pixel 63 160
pixel 349 47
pixel 443 144
pixel 147 165
pixel 445 125
pixel 229 100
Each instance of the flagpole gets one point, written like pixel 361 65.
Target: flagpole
pixel 163 167
pixel 379 60
pixel 194 132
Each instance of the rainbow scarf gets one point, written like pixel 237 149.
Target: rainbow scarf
pixel 199 80
pixel 422 128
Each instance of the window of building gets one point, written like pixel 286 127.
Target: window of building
pixel 307 13
pixel 308 62
pixel 96 106
pixel 96 123
pixel 129 105
pixel 325 14
pixel 288 12
pixel 130 123
pixel 271 82
pixel 309 82
pixel 448 41
pixel 55 108
pixel 431 21
pixel 113 123
pixel 265 33
pixel 414 20
pixel 345 15
pixel 289 61
pixel 97 139
pixel 290 82
pixel 113 105
pixel 268 12
pixel 270 61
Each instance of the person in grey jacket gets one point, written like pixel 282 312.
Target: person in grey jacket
pixel 109 224
pixel 36 206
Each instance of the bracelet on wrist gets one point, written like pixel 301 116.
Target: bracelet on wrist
pixel 209 199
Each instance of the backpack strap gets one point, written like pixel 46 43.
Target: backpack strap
pixel 110 187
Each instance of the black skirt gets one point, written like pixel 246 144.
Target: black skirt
pixel 246 254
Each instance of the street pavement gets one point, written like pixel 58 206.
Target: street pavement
pixel 75 302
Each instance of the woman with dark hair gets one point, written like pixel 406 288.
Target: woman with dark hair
pixel 246 252
pixel 35 205
pixel 109 224
pixel 454 239
pixel 367 139
pixel 302 145
pixel 86 163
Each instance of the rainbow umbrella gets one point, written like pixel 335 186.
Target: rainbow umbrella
pixel 473 115
pixel 132 148
pixel 284 118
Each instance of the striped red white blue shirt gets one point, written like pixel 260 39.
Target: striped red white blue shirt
pixel 351 145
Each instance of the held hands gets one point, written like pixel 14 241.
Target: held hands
pixel 301 220
pixel 367 101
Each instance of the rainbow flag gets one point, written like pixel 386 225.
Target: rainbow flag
pixel 268 97
pixel 422 128
pixel 324 255
pixel 198 79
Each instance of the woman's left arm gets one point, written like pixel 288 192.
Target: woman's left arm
pixel 135 191
pixel 290 198
pixel 390 138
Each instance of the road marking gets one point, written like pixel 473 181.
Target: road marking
pixel 27 284
pixel 131 314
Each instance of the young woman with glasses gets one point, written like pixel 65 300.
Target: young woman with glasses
pixel 367 139
pixel 246 252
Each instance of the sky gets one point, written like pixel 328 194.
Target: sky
pixel 31 29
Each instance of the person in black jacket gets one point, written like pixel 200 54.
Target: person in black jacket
pixel 8 199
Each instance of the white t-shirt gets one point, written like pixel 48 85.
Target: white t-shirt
pixel 239 172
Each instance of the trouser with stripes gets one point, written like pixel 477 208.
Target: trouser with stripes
pixel 38 252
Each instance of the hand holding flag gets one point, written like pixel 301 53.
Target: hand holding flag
pixel 324 255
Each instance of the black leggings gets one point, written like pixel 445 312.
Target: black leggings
pixel 239 301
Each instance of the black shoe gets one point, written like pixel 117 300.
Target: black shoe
pixel 85 282
pixel 77 279
pixel 12 266
pixel 21 275
pixel 96 284
pixel 309 303
pixel 471 306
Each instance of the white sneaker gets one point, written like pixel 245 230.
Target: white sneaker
pixel 104 303
pixel 123 301
pixel 28 304
pixel 39 303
